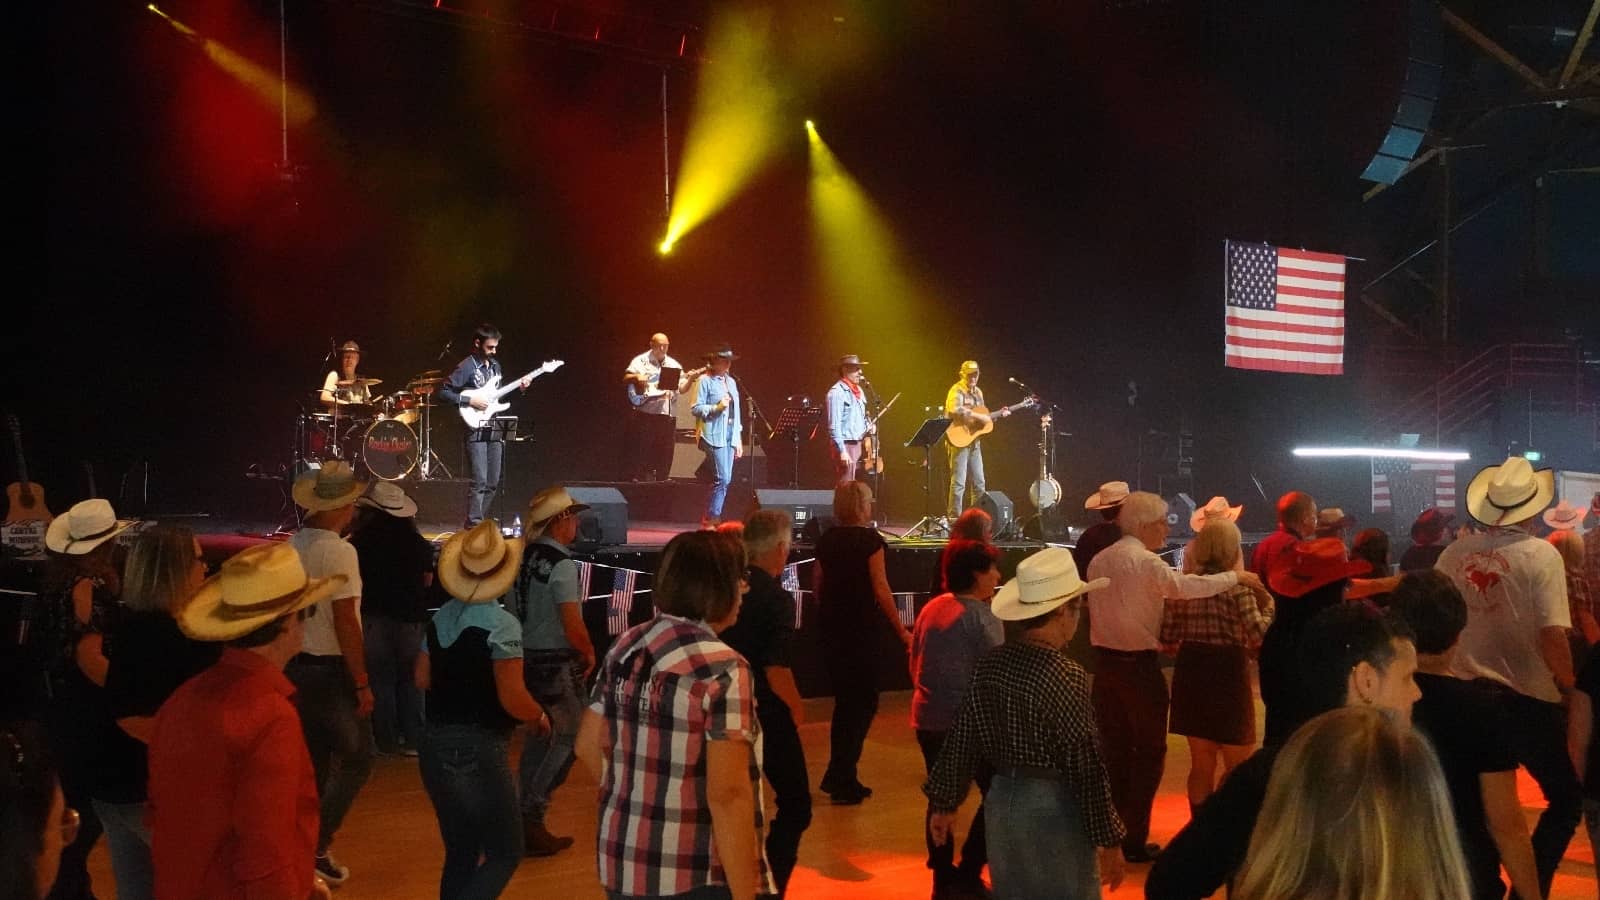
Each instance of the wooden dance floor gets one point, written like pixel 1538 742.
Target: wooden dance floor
pixel 391 843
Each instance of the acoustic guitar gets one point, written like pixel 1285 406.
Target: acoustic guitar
pixel 960 434
pixel 26 499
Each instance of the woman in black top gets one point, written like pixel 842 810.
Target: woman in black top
pixel 396 571
pixel 855 606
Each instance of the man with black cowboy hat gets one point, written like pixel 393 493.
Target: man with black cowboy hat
pixel 718 425
pixel 1515 587
pixel 232 790
pixel 556 655
pixel 1427 540
pixel 847 418
pixel 329 673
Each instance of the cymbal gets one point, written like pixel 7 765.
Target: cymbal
pixel 359 382
pixel 430 373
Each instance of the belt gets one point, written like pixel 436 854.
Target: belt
pixel 317 659
pixel 1039 772
pixel 1125 654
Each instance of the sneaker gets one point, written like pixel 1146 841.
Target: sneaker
pixel 331 871
pixel 538 841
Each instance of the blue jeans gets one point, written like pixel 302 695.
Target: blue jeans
pixel 392 650
pixel 467 773
pixel 129 842
pixel 546 759
pixel 484 462
pixel 966 463
pixel 722 459
pixel 340 742
pixel 1038 846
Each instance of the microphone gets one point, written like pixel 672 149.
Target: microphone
pixel 447 345
pixel 1020 384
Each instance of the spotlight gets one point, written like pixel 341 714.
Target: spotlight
pixel 664 248
pixel 811 126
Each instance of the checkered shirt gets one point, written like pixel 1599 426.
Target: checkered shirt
pixel 1578 596
pixel 666 688
pixel 1229 618
pixel 1591 570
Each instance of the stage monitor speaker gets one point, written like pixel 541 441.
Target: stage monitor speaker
pixel 1180 509
pixel 1002 512
pixel 802 506
pixel 605 522
pixel 1048 526
pixel 1418 95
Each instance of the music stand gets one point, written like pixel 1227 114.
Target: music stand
pixel 928 434
pixel 791 421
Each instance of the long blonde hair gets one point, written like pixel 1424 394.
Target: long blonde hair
pixel 1356 808
pixel 852 502
pixel 1216 548
pixel 160 570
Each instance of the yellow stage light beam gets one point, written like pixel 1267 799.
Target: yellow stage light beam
pixel 260 80
pixel 735 124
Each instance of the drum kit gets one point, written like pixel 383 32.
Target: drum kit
pixel 387 436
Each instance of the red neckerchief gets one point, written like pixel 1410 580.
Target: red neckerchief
pixel 854 388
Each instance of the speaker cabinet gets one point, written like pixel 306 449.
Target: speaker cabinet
pixel 803 506
pixel 605 522
pixel 1001 511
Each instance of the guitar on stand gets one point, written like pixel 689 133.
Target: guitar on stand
pixel 26 514
pixel 962 434
pixel 491 393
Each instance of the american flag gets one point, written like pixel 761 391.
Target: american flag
pixel 1285 309
pixel 1407 487
pixel 907 606
pixel 584 570
pixel 791 583
pixel 621 601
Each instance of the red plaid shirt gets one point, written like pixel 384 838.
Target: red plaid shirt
pixel 1229 618
pixel 667 686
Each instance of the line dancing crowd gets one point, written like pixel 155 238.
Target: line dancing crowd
pixel 217 729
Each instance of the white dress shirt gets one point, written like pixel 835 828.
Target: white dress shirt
pixel 324 553
pixel 1126 614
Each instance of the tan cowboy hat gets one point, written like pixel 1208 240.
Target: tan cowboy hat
pixel 1564 516
pixel 851 361
pixel 1331 521
pixel 1509 493
pixel 1112 493
pixel 479 565
pixel 330 487
pixel 350 347
pixel 388 497
pixel 1215 508
pixel 86 525
pixel 254 586
pixel 546 505
pixel 1044 581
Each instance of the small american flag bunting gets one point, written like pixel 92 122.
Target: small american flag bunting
pixel 907 605
pixel 790 581
pixel 621 601
pixel 584 571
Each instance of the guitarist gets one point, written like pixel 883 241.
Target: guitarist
pixel 966 463
pixel 647 444
pixel 485 446
pixel 847 418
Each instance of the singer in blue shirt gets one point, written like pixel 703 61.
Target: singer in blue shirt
pixel 847 418
pixel 718 427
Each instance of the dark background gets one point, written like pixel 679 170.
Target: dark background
pixel 1063 175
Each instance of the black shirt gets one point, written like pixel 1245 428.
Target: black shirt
pixel 393 559
pixel 764 630
pixel 1589 683
pixel 1420 558
pixel 1208 851
pixel 469 373
pixel 149 659
pixel 1463 723
pixel 1094 539
pixel 847 607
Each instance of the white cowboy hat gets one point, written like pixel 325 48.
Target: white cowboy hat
pixel 1509 493
pixel 1564 516
pixel 1331 520
pixel 86 526
pixel 546 505
pixel 254 586
pixel 330 487
pixel 1044 581
pixel 1112 493
pixel 478 565
pixel 1215 508
pixel 388 497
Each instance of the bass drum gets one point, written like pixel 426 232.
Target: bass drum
pixel 317 433
pixel 389 449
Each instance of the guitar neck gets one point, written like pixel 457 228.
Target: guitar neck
pixel 22 461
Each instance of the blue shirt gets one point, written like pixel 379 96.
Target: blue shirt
pixel 718 428
pixel 847 415
pixel 950 634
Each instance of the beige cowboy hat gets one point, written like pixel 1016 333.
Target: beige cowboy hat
pixel 330 487
pixel 478 565
pixel 1331 521
pixel 1044 581
pixel 388 497
pixel 1112 493
pixel 546 505
pixel 1564 516
pixel 851 361
pixel 1215 508
pixel 254 586
pixel 87 525
pixel 1509 493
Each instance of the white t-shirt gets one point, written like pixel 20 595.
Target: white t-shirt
pixel 1514 585
pixel 324 553
pixel 661 403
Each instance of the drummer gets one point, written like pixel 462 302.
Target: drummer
pixel 357 393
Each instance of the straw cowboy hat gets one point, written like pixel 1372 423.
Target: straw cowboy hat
pixel 1308 565
pixel 479 565
pixel 1112 493
pixel 1509 493
pixel 388 497
pixel 1044 581
pixel 546 505
pixel 330 487
pixel 1564 516
pixel 1216 508
pixel 254 587
pixel 1332 520
pixel 86 526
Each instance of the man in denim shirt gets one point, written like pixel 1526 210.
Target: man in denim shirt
pixel 718 427
pixel 847 418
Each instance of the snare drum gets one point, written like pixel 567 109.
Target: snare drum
pixel 402 406
pixel 389 449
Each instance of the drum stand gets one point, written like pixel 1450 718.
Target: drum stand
pixel 428 457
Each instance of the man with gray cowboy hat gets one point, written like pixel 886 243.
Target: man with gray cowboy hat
pixel 1517 620
pixel 329 673
pixel 556 655
pixel 847 418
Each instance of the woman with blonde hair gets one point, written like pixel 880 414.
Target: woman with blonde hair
pixel 1580 593
pixel 1356 808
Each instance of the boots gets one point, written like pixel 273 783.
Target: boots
pixel 538 841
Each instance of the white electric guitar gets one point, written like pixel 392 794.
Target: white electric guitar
pixel 491 393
